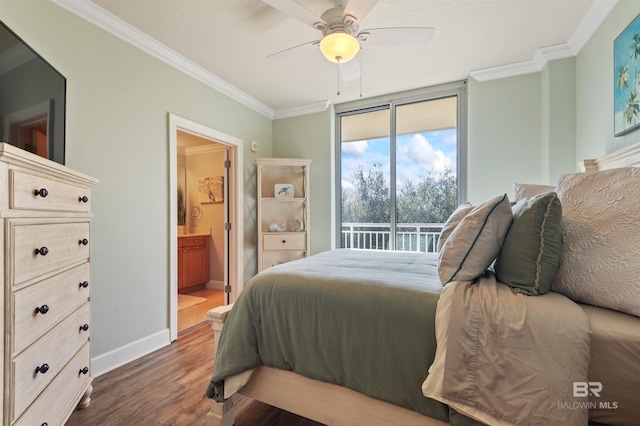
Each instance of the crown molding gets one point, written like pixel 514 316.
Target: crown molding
pixel 203 149
pixel 302 110
pixel 121 29
pixel 587 27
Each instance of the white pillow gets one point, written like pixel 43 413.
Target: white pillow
pixel 453 221
pixel 476 241
pixel 600 258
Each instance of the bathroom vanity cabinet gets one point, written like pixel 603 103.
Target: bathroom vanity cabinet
pixel 193 262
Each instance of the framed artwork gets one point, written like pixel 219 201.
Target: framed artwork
pixel 626 101
pixel 283 190
pixel 211 189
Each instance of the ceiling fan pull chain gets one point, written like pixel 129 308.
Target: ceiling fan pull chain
pixel 338 92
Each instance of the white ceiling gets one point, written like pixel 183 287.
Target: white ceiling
pixel 231 39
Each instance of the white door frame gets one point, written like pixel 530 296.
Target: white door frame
pixel 236 208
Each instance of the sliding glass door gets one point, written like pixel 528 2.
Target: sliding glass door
pixel 399 173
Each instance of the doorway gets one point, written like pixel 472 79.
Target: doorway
pixel 205 216
pixel 202 214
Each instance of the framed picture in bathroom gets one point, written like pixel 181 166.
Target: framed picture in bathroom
pixel 211 189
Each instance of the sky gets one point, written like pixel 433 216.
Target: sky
pixel 417 155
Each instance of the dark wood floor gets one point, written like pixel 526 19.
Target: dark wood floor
pixel 167 387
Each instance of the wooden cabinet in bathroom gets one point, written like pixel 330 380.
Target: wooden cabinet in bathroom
pixel 193 262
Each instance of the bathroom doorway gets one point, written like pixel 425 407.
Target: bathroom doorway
pixel 202 214
pixel 205 221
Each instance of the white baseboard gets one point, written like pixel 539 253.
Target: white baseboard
pixel 216 285
pixel 118 357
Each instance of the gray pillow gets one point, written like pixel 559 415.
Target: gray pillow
pixel 530 254
pixel 475 242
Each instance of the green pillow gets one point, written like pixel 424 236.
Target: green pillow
pixel 530 253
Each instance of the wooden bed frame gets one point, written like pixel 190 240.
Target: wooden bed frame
pixel 332 404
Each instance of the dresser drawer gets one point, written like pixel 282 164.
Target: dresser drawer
pixel 192 241
pixel 39 364
pixel 33 192
pixel 59 399
pixel 285 242
pixel 61 294
pixel 39 249
pixel 273 258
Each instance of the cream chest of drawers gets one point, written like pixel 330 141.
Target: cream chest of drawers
pixel 45 209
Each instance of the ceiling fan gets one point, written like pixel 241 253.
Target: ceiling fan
pixel 341 38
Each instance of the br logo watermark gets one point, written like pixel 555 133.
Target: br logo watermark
pixel 585 390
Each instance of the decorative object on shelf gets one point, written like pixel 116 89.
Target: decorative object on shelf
pixel 283 190
pixel 274 227
pixel 296 225
pixel 625 100
pixel 211 189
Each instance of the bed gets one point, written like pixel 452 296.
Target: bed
pixel 603 383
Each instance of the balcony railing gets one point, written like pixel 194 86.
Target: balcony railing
pixel 418 237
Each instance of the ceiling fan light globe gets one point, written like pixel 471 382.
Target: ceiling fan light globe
pixel 339 47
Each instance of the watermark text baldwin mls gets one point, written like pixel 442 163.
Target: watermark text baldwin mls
pixel 585 390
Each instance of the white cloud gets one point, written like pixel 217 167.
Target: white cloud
pixel 355 148
pixel 419 154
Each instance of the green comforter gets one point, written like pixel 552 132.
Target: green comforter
pixel 363 320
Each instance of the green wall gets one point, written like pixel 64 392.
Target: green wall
pixel 118 101
pixel 520 129
pixel 595 80
pixel 312 136
pixel 528 128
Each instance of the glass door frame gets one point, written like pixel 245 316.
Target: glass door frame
pixel 391 102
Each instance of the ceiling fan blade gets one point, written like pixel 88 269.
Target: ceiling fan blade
pixel 294 52
pixel 402 36
pixel 295 10
pixel 350 70
pixel 359 8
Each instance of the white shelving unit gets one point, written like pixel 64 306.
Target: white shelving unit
pixel 278 239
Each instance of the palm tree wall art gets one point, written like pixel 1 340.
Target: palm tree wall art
pixel 626 51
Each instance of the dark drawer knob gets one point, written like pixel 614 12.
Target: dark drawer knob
pixel 84 327
pixel 85 370
pixel 84 284
pixel 83 199
pixel 42 368
pixel 83 241
pixel 42 309
pixel 41 192
pixel 44 424
pixel 284 241
pixel 42 251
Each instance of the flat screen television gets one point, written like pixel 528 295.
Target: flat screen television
pixel 32 99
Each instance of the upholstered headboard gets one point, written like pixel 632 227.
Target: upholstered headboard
pixel 625 157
